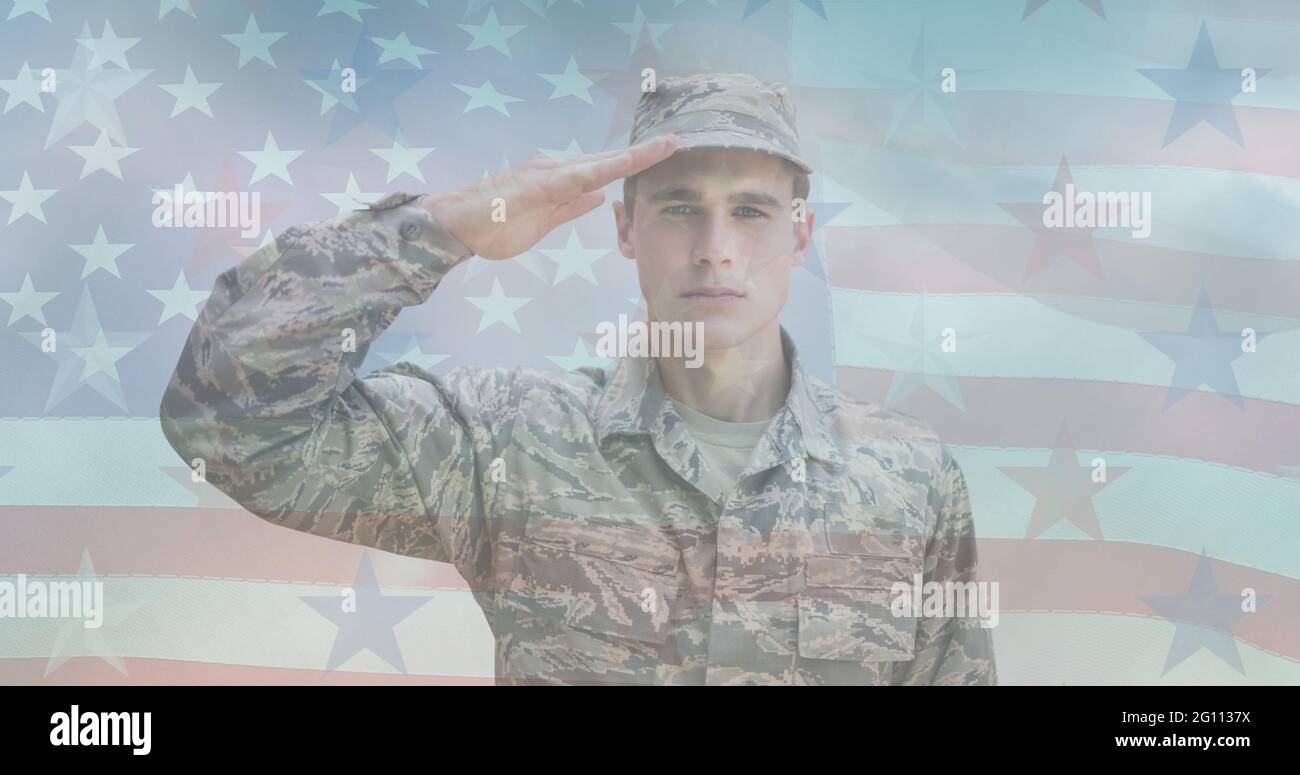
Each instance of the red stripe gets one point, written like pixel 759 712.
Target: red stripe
pixel 1115 416
pixel 983 258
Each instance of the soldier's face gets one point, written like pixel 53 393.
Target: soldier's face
pixel 714 241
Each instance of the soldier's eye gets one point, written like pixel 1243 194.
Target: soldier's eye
pixel 750 212
pixel 678 210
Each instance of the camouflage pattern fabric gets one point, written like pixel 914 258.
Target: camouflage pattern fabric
pixel 571 502
pixel 721 111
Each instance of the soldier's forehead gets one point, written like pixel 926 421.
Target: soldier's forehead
pixel 731 167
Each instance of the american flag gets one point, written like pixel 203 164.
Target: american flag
pixel 1125 407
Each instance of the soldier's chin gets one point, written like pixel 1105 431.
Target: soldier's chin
pixel 722 332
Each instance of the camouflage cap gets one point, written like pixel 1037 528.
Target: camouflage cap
pixel 718 110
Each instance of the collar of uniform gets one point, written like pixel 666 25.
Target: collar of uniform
pixel 636 402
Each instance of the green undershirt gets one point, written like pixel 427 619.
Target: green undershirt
pixel 725 446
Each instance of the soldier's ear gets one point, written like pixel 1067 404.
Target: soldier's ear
pixel 803 230
pixel 623 223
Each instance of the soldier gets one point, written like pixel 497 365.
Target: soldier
pixel 741 522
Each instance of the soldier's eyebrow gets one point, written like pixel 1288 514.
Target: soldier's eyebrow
pixel 754 198
pixel 676 195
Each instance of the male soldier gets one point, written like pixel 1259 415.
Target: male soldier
pixel 741 522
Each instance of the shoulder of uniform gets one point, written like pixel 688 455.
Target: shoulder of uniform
pixel 396 199
pixel 580 388
pixel 852 417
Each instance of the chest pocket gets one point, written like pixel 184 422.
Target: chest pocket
pixel 846 607
pixel 610 577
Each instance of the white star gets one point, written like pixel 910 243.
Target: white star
pixel 634 28
pixel 108 47
pixel 180 300
pixel 491 33
pixel 253 43
pixel 573 259
pixel 486 96
pixel 270 161
pixel 101 254
pixel 74 640
pixel 570 83
pixel 351 8
pixel 497 307
pixel 27 302
pixel 352 197
pixel 189 93
pixel 23 90
pixel 580 357
pixel 100 357
pixel 27 200
pixel 103 155
pixel 167 6
pixel 402 160
pixel 30 6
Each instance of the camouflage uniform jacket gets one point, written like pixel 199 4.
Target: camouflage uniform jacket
pixel 570 502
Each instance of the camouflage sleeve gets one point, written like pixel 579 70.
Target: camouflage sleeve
pixel 951 650
pixel 266 391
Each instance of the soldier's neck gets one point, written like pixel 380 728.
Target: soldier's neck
pixel 745 383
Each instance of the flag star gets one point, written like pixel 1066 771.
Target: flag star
pixel 253 43
pixel 813 5
pixel 330 85
pixel 30 6
pixel 634 28
pixel 1202 355
pixel 87 95
pixel 368 622
pixel 1203 618
pixel 103 155
pixel 74 640
pixel 1092 5
pixel 352 8
pixel 270 161
pixel 486 96
pixel 573 259
pixel 570 83
pixel 1063 489
pixel 402 160
pixel 180 300
pixel 167 6
pixel 581 357
pixel 563 153
pixel 83 332
pixel 100 357
pixel 416 355
pixel 497 307
pixel 921 103
pixel 27 302
pixel 474 6
pixel 108 47
pixel 921 361
pixel 101 254
pixel 24 89
pixel 352 197
pixel 1202 91
pixel 1050 243
pixel 491 33
pixel 400 48
pixel 27 200
pixel 189 93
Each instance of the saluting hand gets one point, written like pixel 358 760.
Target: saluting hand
pixel 508 213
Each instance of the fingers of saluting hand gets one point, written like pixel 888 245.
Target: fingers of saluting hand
pixel 595 171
